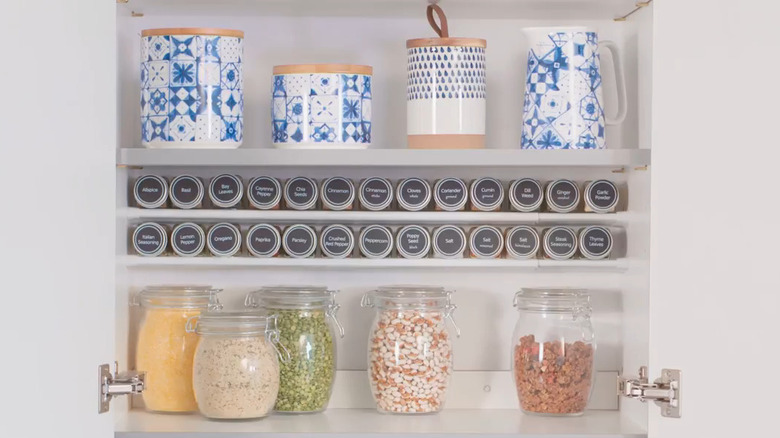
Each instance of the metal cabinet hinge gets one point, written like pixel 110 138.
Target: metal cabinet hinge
pixel 664 391
pixel 112 385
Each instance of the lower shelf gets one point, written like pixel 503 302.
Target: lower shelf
pixel 369 423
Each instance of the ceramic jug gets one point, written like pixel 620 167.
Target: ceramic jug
pixel 564 104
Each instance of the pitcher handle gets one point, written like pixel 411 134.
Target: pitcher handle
pixel 442 31
pixel 620 78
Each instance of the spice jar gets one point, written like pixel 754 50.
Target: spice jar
pixel 525 195
pixel 224 240
pixel 413 194
pixel 552 351
pixel 150 239
pixel 226 191
pixel 375 242
pixel 601 196
pixel 376 194
pixel 449 242
pixel 413 242
pixel 264 193
pixel 188 239
pixel 186 192
pixel 306 317
pixel 300 193
pixel 563 196
pixel 450 194
pixel 164 350
pixel 235 371
pixel 299 241
pixel 560 243
pixel 486 242
pixel 522 242
pixel 595 242
pixel 337 241
pixel 150 191
pixel 338 193
pixel 263 240
pixel 410 348
pixel 487 194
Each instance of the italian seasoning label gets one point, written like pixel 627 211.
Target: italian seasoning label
pixel 299 241
pixel 150 191
pixel 601 196
pixel 225 191
pixel 186 191
pixel 263 240
pixel 560 243
pixel 300 193
pixel 224 239
pixel 414 194
pixel 376 193
pixel 449 241
pixel 187 239
pixel 487 193
pixel 450 194
pixel 522 242
pixel 337 241
pixel 376 241
pixel 264 192
pixel 487 242
pixel 526 194
pixel 563 196
pixel 595 242
pixel 413 242
pixel 338 193
pixel 149 239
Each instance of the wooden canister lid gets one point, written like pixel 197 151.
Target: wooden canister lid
pixel 323 68
pixel 193 31
pixel 460 42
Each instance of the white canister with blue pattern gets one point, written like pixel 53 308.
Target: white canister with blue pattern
pixel 321 106
pixel 192 88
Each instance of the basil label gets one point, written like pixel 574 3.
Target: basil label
pixel 300 193
pixel 450 194
pixel 413 242
pixel 150 191
pixel 526 194
pixel 560 243
pixel 149 239
pixel 187 239
pixel 595 242
pixel 522 242
pixel 449 241
pixel 563 195
pixel 299 241
pixel 186 191
pixel 264 192
pixel 602 195
pixel 376 193
pixel 338 192
pixel 376 241
pixel 224 240
pixel 225 190
pixel 414 194
pixel 263 240
pixel 486 242
pixel 487 193
pixel 337 241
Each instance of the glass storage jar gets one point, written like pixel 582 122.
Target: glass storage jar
pixel 410 348
pixel 306 318
pixel 235 372
pixel 164 349
pixel 552 350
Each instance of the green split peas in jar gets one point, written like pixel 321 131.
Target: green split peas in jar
pixel 306 317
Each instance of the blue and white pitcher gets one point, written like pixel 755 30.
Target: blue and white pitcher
pixel 564 105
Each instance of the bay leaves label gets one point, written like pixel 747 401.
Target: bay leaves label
pixel 225 190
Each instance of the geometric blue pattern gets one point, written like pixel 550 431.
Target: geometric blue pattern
pixel 445 72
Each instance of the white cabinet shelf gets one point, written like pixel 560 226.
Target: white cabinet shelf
pixel 367 422
pixel 267 157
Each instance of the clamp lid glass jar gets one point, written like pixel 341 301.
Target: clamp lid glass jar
pixel 410 348
pixel 164 349
pixel 306 317
pixel 552 349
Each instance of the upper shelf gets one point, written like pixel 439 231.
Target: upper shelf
pixel 561 9
pixel 264 157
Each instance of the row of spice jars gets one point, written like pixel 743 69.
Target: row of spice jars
pixel 375 194
pixel 239 365
pixel 375 241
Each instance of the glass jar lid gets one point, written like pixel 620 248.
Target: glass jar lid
pixel 296 297
pixel 412 297
pixel 179 297
pixel 239 324
pixel 575 301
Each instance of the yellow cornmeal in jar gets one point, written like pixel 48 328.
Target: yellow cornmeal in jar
pixel 165 351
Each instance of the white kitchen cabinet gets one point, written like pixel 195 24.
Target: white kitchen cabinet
pixel 695 154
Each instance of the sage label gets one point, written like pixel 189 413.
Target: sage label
pixel 413 242
pixel 338 192
pixel 337 241
pixel 149 239
pixel 186 191
pixel 486 242
pixel 376 193
pixel 487 193
pixel 450 194
pixel 264 192
pixel 299 241
pixel 187 239
pixel 602 195
pixel 522 242
pixel 263 240
pixel 563 195
pixel 150 191
pixel 595 242
pixel 300 193
pixel 560 243
pixel 376 241
pixel 224 239
pixel 414 194
pixel 449 241
pixel 526 194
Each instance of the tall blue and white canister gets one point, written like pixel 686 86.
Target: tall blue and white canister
pixel 564 103
pixel 192 88
pixel 321 106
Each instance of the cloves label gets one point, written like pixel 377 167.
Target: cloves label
pixel 414 193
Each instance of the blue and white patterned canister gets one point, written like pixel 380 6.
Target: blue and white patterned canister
pixel 192 88
pixel 321 106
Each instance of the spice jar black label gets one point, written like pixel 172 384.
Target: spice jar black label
pixel 338 191
pixel 449 241
pixel 602 194
pixel 595 242
pixel 487 193
pixel 301 192
pixel 560 242
pixel 187 239
pixel 376 241
pixel 526 194
pixel 487 241
pixel 186 190
pixel 523 241
pixel 337 241
pixel 450 193
pixel 413 241
pixel 223 239
pixel 299 241
pixel 149 239
pixel 563 194
pixel 264 191
pixel 225 189
pixel 263 240
pixel 376 193
pixel 414 193
pixel 150 190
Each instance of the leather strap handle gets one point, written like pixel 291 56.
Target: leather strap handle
pixel 442 31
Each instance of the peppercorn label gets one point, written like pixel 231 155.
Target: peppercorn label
pixel 376 241
pixel 596 242
pixel 150 191
pixel 487 242
pixel 560 243
pixel 376 193
pixel 523 242
pixel 186 191
pixel 414 194
pixel 149 239
pixel 300 192
pixel 224 239
pixel 449 241
pixel 264 192
pixel 487 193
pixel 263 240
pixel 187 239
pixel 450 193
pixel 225 189
pixel 526 194
pixel 563 194
pixel 299 241
pixel 413 242
pixel 602 195
pixel 337 241
pixel 338 192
